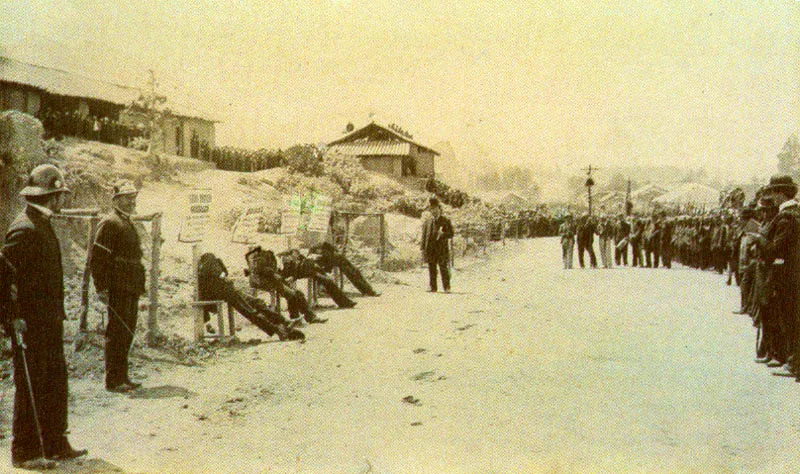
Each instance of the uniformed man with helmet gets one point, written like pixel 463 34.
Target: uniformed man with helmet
pixel 119 278
pixel 40 370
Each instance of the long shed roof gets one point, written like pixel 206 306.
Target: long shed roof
pixel 60 82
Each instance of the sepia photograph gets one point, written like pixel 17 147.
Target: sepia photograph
pixel 380 237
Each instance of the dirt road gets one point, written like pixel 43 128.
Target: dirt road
pixel 525 368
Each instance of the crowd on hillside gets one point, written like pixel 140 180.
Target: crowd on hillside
pixel 58 124
pixel 757 245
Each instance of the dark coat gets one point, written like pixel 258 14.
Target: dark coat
pixel 435 243
pixel 622 231
pixel 33 249
pixel 781 252
pixel 585 232
pixel 117 257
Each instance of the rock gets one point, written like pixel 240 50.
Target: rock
pixel 20 146
pixel 21 140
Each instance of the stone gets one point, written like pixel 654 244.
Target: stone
pixel 20 150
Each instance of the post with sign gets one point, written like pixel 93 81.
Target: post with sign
pixel 246 227
pixel 193 231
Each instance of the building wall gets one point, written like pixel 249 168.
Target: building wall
pixel 388 165
pixel 424 161
pixel 176 132
pixel 22 98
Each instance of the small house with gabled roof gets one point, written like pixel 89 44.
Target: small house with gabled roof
pixel 388 150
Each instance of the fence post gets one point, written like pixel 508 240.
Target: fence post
pixel 155 273
pixel 87 275
pixel 383 239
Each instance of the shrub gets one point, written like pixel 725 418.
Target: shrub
pixel 304 159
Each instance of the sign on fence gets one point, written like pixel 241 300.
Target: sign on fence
pixel 319 214
pixel 195 226
pixel 305 214
pixel 246 227
pixel 290 214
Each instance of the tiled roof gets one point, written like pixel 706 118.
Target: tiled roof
pixel 373 148
pixel 375 133
pixel 59 82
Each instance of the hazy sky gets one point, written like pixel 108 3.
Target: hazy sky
pixel 713 84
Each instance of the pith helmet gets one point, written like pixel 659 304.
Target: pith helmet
pixel 783 184
pixel 123 188
pixel 45 179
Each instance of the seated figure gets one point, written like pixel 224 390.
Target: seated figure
pixel 297 266
pixel 213 284
pixel 327 258
pixel 262 268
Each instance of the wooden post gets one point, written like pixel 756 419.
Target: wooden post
pixel 198 310
pixel 231 321
pixel 383 240
pixel 346 232
pixel 87 276
pixel 153 332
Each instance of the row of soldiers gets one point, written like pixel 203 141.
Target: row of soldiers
pixel 759 248
pixel 650 240
pixel 767 269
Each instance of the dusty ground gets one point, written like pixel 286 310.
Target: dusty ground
pixel 525 368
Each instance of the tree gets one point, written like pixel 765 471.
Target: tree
pixel 789 158
pixel 152 105
pixel 516 177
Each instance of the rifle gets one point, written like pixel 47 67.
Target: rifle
pixel 11 310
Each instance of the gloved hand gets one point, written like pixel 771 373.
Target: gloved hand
pixel 19 326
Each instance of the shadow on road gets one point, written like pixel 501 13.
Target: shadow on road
pixel 163 391
pixel 83 466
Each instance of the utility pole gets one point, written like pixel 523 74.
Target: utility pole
pixel 589 183
pixel 628 202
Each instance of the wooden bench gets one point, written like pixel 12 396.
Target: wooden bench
pixel 205 305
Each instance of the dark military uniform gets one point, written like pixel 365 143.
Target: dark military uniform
pixel 621 233
pixel 263 272
pixel 117 268
pixel 667 228
pixel 328 258
pixel 781 252
pixel 32 247
pixel 213 284
pixel 297 266
pixel 585 237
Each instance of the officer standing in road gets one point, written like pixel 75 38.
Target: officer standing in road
pixel 40 369
pixel 437 230
pixel 119 278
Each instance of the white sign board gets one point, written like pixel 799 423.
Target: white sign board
pixel 246 227
pixel 306 214
pixel 195 227
pixel 290 215
pixel 320 214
